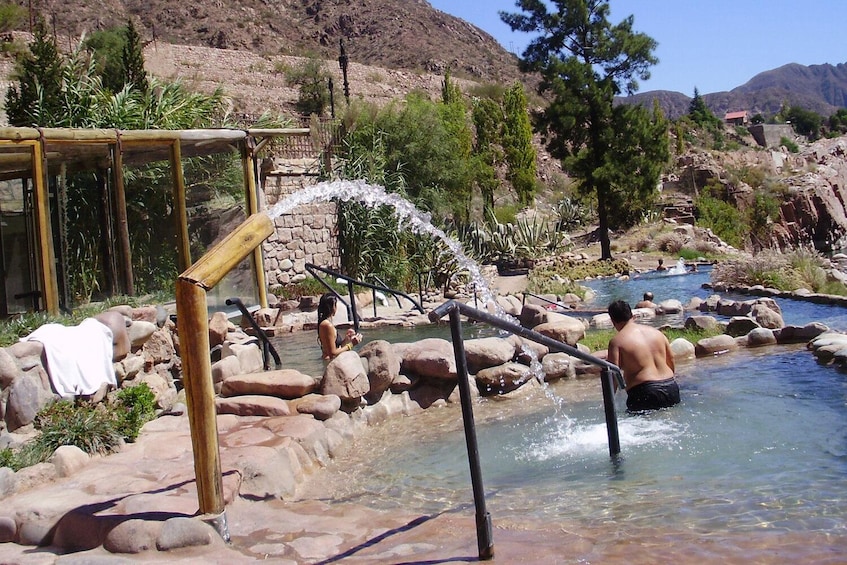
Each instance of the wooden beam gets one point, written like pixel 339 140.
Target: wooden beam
pixel 253 208
pixel 46 253
pixel 193 327
pixel 127 284
pixel 228 252
pixel 180 211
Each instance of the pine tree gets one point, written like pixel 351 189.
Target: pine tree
pixel 133 60
pixel 517 144
pixel 584 62
pixel 37 98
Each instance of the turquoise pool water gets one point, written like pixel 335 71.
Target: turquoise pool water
pixel 755 453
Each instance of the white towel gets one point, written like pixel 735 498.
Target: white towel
pixel 79 358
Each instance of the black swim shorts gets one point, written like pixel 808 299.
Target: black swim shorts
pixel 652 395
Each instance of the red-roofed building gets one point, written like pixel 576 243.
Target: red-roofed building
pixel 737 118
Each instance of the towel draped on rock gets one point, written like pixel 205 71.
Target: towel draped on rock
pixel 79 358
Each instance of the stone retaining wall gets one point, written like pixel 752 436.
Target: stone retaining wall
pixel 310 235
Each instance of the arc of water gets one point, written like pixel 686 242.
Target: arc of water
pixel 408 216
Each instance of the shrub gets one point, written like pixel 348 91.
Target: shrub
pixel 136 407
pixel 669 242
pixel 89 427
pixel 788 144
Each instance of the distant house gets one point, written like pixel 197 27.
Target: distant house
pixel 737 118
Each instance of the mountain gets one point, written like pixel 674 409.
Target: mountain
pixel 406 35
pixel 821 88
pixel 394 34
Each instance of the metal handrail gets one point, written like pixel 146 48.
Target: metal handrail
pixel 455 310
pixel 267 346
pixel 352 314
pixel 548 301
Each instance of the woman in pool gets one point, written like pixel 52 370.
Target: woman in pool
pixel 331 343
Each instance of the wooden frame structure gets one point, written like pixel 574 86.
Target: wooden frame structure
pixel 37 154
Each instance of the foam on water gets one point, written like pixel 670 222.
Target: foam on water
pixel 571 439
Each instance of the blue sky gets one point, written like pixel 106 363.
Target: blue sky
pixel 714 45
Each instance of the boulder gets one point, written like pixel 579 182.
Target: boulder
pixel 716 345
pixel 345 377
pixel 510 305
pixel 252 405
pixel 766 316
pixel 741 325
pixel 532 315
pixel 701 322
pixel 488 352
pixel 68 459
pixel 670 306
pixel 282 383
pixel 798 334
pixel 383 366
pixel 558 366
pixel 184 532
pixel 27 395
pixel 525 347
pixel 431 357
pixel 218 327
pixel 761 336
pixel 565 329
pixel 681 348
pixel 502 379
pixel 321 406
pixel 139 332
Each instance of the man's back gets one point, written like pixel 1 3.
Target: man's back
pixel 643 353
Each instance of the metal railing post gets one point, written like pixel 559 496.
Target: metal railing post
pixel 353 305
pixel 484 541
pixel 420 289
pixel 609 408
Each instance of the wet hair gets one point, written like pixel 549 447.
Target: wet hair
pixel 648 295
pixel 619 311
pixel 326 307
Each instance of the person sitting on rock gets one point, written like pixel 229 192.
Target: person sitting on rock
pixel 333 344
pixel 647 302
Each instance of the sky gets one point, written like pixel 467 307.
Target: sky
pixel 713 45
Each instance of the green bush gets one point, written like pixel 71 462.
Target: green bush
pixel 94 428
pixel 788 144
pixel 136 406
pixel 722 218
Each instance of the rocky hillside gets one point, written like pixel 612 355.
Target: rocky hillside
pixel 395 34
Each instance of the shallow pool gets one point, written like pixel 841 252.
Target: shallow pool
pixel 759 443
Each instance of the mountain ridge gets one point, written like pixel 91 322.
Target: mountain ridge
pixel 402 35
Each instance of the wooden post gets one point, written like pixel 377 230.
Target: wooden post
pixel 183 243
pixel 127 284
pixel 46 254
pixel 253 208
pixel 193 328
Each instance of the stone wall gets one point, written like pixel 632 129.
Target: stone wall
pixel 307 235
pixel 770 135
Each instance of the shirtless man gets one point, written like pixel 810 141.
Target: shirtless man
pixel 647 302
pixel 644 355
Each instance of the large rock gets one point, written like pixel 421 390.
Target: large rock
pixel 432 357
pixel 27 395
pixel 761 336
pixel 533 315
pixel 383 366
pixel 670 306
pixel 510 305
pixel 798 334
pixel 252 405
pixel 345 377
pixel 741 325
pixel 766 316
pixel 282 383
pixel 488 352
pixel 68 459
pixel 159 348
pixel 218 328
pixel 502 379
pixel 715 345
pixel 681 348
pixel 321 406
pixel 701 322
pixel 139 332
pixel 558 366
pixel 565 329
pixel 526 349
